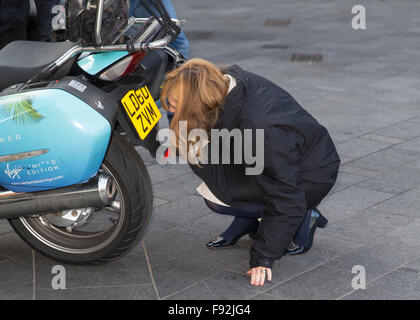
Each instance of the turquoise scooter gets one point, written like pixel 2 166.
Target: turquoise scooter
pixel 72 184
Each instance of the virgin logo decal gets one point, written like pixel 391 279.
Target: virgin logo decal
pixel 13 173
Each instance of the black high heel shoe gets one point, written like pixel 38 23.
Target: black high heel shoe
pixel 316 219
pixel 322 223
pixel 220 242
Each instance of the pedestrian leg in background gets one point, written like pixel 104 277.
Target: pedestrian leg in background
pixel 13 20
pixel 45 16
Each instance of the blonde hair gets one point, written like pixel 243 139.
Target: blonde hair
pixel 200 88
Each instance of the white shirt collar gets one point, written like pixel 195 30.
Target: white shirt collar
pixel 232 83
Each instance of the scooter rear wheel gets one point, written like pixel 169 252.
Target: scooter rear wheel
pixel 97 235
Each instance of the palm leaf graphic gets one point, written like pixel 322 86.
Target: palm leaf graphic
pixel 21 112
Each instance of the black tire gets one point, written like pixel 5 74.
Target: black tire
pixel 134 183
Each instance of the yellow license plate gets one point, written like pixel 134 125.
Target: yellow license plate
pixel 142 110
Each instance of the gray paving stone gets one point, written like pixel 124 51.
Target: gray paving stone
pixel 404 95
pixel 182 211
pixel 411 145
pixel 356 116
pixel 332 242
pixel 380 138
pixel 401 284
pixel 344 160
pixel 5 227
pixel 206 227
pixel 350 168
pixel 385 160
pixel 182 273
pixel 403 130
pixel 363 66
pixel 145 155
pixel 158 225
pixel 366 226
pixel 348 202
pixel 158 202
pixel 416 120
pixel 409 231
pixel 174 243
pixel 177 188
pixel 357 148
pixel 128 270
pixel 414 164
pixel 263 296
pixel 394 83
pixel 15 276
pixel 355 87
pixel 164 246
pixel 22 291
pixel 223 286
pixel 379 257
pixel 345 180
pixel 11 245
pixel 409 108
pixel 133 292
pixel 414 264
pixel 406 204
pixel 227 259
pixel 395 182
pixel 324 282
pixel 159 172
pixel 387 218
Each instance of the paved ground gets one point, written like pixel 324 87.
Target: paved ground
pixel 366 91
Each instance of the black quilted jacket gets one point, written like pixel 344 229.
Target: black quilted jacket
pixel 300 162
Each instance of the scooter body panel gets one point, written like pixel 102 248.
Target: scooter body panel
pixel 49 138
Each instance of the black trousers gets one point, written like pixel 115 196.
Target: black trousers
pixel 315 193
pixel 246 216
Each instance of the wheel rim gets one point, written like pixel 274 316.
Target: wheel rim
pixel 82 240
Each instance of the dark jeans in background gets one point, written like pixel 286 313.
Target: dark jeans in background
pixel 14 17
pixel 13 20
pixel 45 16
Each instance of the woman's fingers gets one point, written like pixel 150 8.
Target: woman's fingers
pixel 253 273
pixel 269 275
pixel 263 276
pixel 258 277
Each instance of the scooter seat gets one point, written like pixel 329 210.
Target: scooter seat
pixel 21 60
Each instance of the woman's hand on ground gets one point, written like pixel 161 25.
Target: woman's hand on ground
pixel 258 276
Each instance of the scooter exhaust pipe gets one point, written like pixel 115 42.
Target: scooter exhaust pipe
pixel 97 193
